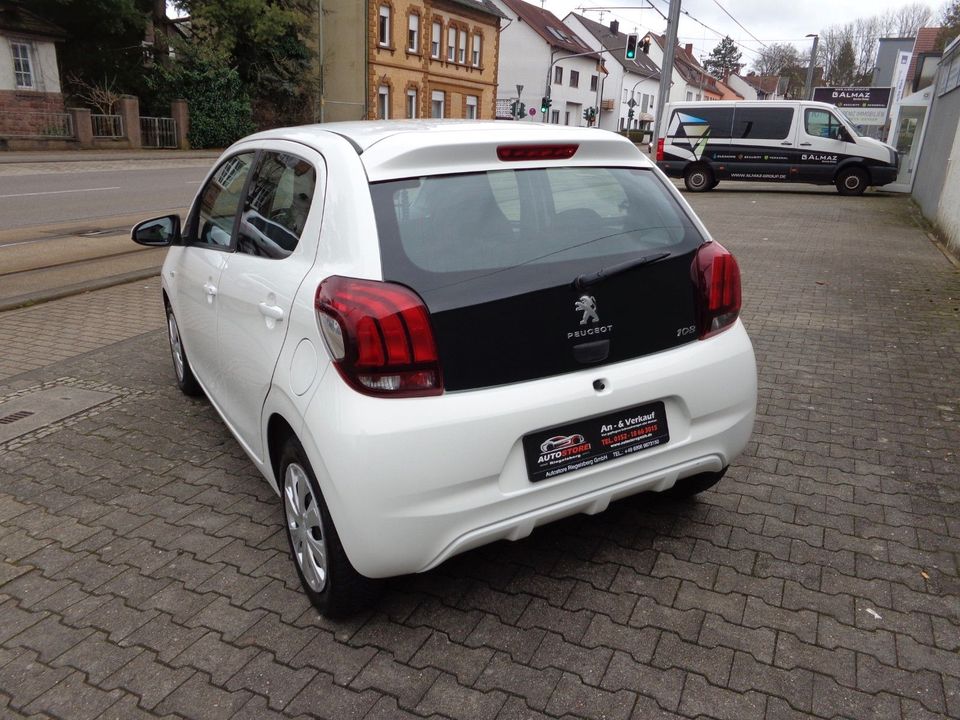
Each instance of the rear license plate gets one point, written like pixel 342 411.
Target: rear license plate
pixel 585 443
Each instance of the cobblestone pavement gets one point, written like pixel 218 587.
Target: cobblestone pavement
pixel 143 571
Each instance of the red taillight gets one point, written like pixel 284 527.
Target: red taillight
pixel 380 337
pixel 660 149
pixel 515 153
pixel 717 279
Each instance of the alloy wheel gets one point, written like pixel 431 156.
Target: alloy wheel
pixel 305 526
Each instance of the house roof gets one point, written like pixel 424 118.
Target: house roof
pixel 690 70
pixel 766 84
pixel 615 42
pixel 926 42
pixel 549 27
pixel 15 18
pixel 484 6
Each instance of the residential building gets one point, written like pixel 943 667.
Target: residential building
pixel 30 96
pixel 741 86
pixel 637 79
pixel 768 87
pixel 385 59
pixel 923 63
pixel 689 80
pixel 888 52
pixel 547 58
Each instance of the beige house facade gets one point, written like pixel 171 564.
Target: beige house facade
pixel 391 59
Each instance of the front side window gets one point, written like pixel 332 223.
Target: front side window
pixel 277 206
pixel 214 218
pixel 822 124
pixel 384 34
pixel 413 33
pixel 435 32
pixel 574 78
pixel 22 66
pixel 476 50
pixel 437 103
pixel 451 44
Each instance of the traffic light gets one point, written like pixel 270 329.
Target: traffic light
pixel 545 104
pixel 630 51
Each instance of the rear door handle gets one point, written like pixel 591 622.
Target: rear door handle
pixel 805 144
pixel 210 289
pixel 786 143
pixel 274 312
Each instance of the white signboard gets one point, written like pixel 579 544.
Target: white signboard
pixel 863 105
pixel 900 75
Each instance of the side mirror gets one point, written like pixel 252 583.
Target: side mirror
pixel 845 136
pixel 157 232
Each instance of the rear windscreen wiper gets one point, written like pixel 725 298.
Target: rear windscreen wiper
pixel 585 281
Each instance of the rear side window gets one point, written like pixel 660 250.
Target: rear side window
pixel 544 225
pixel 755 123
pixel 718 121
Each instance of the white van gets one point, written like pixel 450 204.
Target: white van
pixel 775 141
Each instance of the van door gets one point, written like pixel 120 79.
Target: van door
pixel 821 146
pixel 762 145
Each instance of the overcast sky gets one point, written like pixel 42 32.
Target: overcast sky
pixel 768 21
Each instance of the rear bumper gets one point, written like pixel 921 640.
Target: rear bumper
pixel 412 482
pixel 673 168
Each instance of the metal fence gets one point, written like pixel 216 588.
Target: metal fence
pixel 158 132
pixel 107 126
pixel 36 125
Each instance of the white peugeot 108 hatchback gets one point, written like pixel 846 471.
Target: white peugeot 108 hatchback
pixel 431 335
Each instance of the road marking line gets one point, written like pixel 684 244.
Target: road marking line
pixel 58 192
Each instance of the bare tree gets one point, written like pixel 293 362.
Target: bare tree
pixel 775 58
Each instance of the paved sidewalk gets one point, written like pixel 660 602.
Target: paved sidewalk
pixel 144 570
pixel 13 157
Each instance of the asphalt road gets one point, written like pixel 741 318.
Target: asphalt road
pixel 36 194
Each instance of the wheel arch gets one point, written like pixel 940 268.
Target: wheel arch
pixel 854 163
pixel 278 432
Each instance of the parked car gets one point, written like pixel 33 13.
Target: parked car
pixel 782 141
pixel 480 327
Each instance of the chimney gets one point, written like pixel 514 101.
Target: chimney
pixel 614 26
pixel 689 48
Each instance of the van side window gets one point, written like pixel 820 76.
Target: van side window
pixel 719 120
pixel 822 123
pixel 762 123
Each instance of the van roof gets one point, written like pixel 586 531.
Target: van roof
pixel 752 103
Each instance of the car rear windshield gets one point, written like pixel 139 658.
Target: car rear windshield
pixel 541 226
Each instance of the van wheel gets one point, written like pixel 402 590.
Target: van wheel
pixel 698 178
pixel 852 181
pixel 331 583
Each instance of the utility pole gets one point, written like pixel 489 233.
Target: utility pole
pixel 808 87
pixel 666 67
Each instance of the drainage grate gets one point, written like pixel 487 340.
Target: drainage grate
pixel 13 417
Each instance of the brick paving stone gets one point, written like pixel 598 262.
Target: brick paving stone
pixel 819 579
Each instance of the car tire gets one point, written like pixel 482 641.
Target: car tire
pixel 181 366
pixel 852 181
pixel 695 484
pixel 698 178
pixel 331 583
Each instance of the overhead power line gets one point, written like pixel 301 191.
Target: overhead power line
pixel 713 30
pixel 717 3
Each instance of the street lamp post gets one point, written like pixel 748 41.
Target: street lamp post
pixel 808 88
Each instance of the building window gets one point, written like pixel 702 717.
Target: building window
pixel 574 78
pixel 558 75
pixel 471 107
pixel 625 95
pixel 384 37
pixel 644 102
pixel 555 117
pixel 435 32
pixel 413 33
pixel 383 102
pixel 451 44
pixel 436 104
pixel 22 67
pixel 411 103
pixel 566 118
pixel 593 83
pixel 477 39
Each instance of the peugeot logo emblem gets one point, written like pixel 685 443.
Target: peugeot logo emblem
pixel 588 306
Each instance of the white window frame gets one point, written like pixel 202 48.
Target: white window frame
pixel 477 46
pixel 384 26
pixel 575 78
pixel 462 47
pixel 413 33
pixel 451 44
pixel 558 75
pixel 472 104
pixel 438 96
pixel 383 103
pixel 555 117
pixel 411 103
pixel 23 56
pixel 436 33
